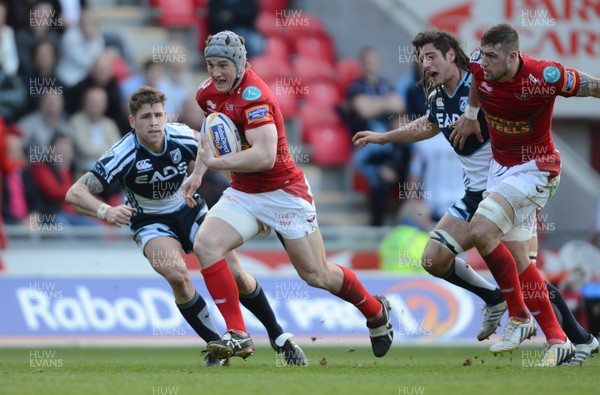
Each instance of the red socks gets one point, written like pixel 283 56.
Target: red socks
pixel 535 294
pixel 503 267
pixel 224 291
pixel 354 292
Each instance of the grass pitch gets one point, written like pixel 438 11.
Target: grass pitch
pixel 179 371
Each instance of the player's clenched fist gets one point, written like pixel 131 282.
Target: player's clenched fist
pixel 119 215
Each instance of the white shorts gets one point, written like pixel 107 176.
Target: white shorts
pixel 526 188
pixel 290 211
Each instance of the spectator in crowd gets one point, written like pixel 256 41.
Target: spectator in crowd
pixel 80 46
pixel 237 16
pixel 434 170
pixel 70 10
pixel 17 195
pixel 40 126
pixel 12 96
pixel 371 100
pixel 179 77
pixel 371 103
pixel 53 177
pixel 153 75
pixel 190 114
pixel 40 22
pixel 42 78
pixel 94 133
pixel 101 75
pixel 409 89
pixel 18 15
pixel 5 165
pixel 9 59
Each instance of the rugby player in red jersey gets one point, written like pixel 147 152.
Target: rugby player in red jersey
pixel 268 191
pixel 151 163
pixel 517 94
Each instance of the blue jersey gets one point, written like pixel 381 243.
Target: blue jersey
pixel 443 109
pixel 151 181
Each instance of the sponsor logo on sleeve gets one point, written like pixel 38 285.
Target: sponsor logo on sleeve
pixel 258 114
pixel 569 83
pixel 251 93
pixel 551 74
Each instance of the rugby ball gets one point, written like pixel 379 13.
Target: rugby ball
pixel 223 134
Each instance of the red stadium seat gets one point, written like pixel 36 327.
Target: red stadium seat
pixel 267 24
pixel 312 115
pixel 273 5
pixel 314 46
pixel 348 71
pixel 201 4
pixel 330 145
pixel 288 101
pixel 270 68
pixel 202 30
pixel 277 47
pixel 176 13
pixel 311 70
pixel 120 68
pixel 300 23
pixel 324 93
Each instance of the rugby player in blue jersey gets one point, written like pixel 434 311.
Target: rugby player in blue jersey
pixel 151 163
pixel 446 81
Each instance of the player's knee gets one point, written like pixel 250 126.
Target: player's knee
pixel 178 279
pixel 314 278
pixel 432 262
pixel 439 252
pixel 478 231
pixel 433 265
pixel 204 249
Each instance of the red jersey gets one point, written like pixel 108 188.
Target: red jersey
pixel 250 105
pixel 519 112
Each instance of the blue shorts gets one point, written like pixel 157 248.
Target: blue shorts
pixel 181 225
pixel 465 207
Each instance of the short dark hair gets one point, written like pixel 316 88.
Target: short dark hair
pixel 40 43
pixel 503 34
pixel 443 42
pixel 145 95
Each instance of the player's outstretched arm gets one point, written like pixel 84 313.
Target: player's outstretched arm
pixel 81 197
pixel 417 130
pixel 589 86
pixel 467 124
